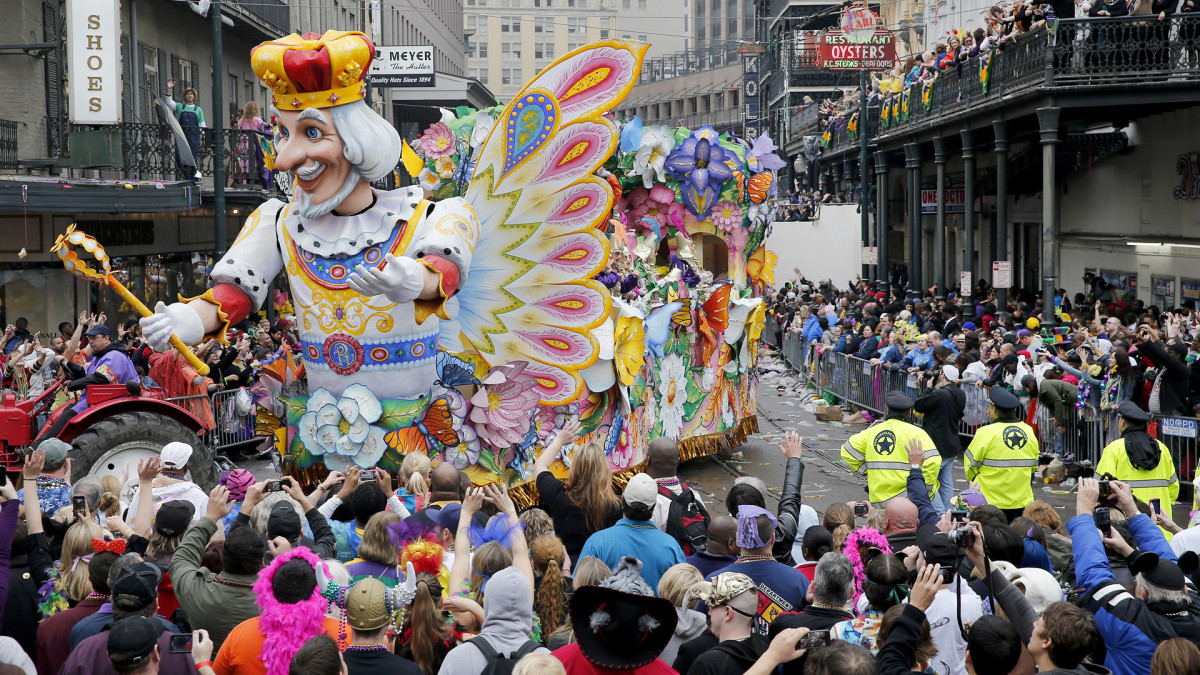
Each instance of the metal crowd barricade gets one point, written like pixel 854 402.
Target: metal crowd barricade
pixel 232 429
pixel 1179 435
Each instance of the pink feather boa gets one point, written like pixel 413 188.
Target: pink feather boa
pixel 866 535
pixel 287 627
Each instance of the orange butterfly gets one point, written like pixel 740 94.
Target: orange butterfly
pixel 760 184
pixel 741 185
pixel 435 426
pixel 714 319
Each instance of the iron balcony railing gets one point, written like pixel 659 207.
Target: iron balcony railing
pixel 8 144
pixel 687 62
pixel 721 120
pixel 1080 52
pixel 804 120
pixel 274 12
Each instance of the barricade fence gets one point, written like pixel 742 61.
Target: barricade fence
pixel 231 426
pixel 1077 433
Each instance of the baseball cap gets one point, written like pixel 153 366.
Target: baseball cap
pixel 136 586
pixel 99 330
pixel 175 455
pixel 283 522
pixel 56 450
pixel 131 640
pixel 174 517
pixel 724 587
pixel 950 372
pixel 366 605
pixel 641 489
pixel 936 546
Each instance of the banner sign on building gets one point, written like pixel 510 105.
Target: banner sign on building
pixel 956 201
pixel 1189 289
pixel 838 52
pixel 402 67
pixel 1122 281
pixel 94 59
pixel 1162 286
pixel 751 110
pixel 870 255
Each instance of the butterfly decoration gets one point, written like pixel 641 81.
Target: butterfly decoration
pixel 454 371
pixel 759 186
pixel 740 179
pixel 761 267
pixel 714 319
pixel 614 433
pixel 658 327
pixel 438 427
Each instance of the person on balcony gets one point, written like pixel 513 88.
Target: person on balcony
pixel 190 114
pixel 248 167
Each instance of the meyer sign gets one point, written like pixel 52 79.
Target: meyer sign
pixel 402 67
pixel 956 201
pixel 839 52
pixel 94 59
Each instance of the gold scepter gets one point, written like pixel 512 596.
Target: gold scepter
pixel 70 260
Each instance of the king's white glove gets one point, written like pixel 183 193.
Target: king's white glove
pixel 178 319
pixel 401 279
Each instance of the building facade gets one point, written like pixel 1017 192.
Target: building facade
pixel 510 41
pixel 665 24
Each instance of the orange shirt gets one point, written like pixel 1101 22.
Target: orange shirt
pixel 239 653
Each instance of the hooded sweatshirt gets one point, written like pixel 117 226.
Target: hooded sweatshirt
pixel 507 623
pixel 691 624
pixel 731 657
pixel 170 491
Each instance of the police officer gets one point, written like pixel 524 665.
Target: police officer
pixel 1003 455
pixel 1139 460
pixel 879 452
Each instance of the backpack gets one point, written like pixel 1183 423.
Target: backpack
pixel 498 664
pixel 687 520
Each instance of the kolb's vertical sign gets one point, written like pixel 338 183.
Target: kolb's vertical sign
pixel 402 67
pixel 94 60
pixel 751 122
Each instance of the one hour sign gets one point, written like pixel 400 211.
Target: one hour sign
pixel 402 67
pixel 839 52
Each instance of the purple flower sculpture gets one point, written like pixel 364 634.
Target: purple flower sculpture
pixel 700 164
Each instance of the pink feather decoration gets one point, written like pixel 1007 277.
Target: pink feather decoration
pixel 866 535
pixel 287 627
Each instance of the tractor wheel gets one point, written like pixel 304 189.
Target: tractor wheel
pixel 105 447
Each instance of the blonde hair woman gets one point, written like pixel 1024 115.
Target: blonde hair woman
pixel 377 555
pixel 414 474
pixel 586 503
pixel 674 586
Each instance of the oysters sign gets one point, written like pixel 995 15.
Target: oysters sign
pixel 402 67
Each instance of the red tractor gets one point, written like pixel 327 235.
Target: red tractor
pixel 123 423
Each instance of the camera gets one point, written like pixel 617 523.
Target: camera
pixel 367 476
pixel 180 644
pixel 274 486
pixel 79 505
pixel 958 515
pixel 813 639
pixel 860 508
pixel 1105 489
pixel 962 537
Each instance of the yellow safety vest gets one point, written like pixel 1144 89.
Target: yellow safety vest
pixel 879 452
pixel 1002 458
pixel 1157 483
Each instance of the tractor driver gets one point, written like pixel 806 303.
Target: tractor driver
pixel 108 365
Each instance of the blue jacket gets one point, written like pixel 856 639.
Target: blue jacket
pixel 812 329
pixel 867 349
pixel 916 358
pixel 656 549
pixel 891 354
pixel 1130 628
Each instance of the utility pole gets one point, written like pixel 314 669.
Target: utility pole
pixel 214 13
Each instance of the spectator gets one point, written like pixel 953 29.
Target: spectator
pixel 132 646
pixel 720 550
pixel 816 543
pixel 217 602
pixel 508 608
pixel 630 536
pixel 679 511
pixel 900 521
pixel 377 555
pixel 829 593
pixel 1176 656
pixel 584 505
pixel 54 634
pixel 1169 396
pixel 368 611
pixel 886 585
pixel 954 601
pixel 319 655
pixel 552 589
pixel 943 410
pixel 54 492
pixel 172 483
pixel 674 587
pixel 732 602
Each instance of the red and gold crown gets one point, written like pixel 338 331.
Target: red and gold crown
pixel 314 71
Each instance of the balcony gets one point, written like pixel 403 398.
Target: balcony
pixel 687 62
pixel 721 120
pixel 273 14
pixel 804 121
pixel 8 144
pixel 1094 57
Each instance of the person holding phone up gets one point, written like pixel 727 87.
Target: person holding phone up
pixel 1140 461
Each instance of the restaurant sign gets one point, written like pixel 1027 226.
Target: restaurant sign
pixel 838 52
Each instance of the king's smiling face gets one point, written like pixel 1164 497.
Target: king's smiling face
pixel 308 146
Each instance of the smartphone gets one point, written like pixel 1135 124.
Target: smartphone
pixel 947 574
pixel 1103 521
pixel 180 644
pixel 367 476
pixel 860 509
pixel 813 639
pixel 1156 504
pixel 79 505
pixel 959 515
pixel 274 486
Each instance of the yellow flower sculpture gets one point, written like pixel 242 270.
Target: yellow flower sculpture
pixel 629 352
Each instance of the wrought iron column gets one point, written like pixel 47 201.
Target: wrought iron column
pixel 1001 252
pixel 939 234
pixel 863 160
pixel 1048 125
pixel 912 160
pixel 968 155
pixel 883 278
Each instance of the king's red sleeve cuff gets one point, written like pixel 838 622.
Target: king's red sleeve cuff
pixel 233 305
pixel 448 279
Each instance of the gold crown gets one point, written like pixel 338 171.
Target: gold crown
pixel 314 71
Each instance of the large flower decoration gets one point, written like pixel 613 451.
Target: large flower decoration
pixel 762 157
pixel 650 160
pixel 444 167
pixel 672 392
pixel 655 208
pixel 466 452
pixel 344 426
pixel 727 216
pixel 501 409
pixel 429 180
pixel 700 163
pixel 438 141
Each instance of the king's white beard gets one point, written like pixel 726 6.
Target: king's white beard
pixel 308 209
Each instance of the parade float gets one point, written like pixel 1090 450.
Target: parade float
pixel 549 263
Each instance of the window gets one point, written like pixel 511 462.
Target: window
pixel 471 48
pixel 483 74
pixel 516 24
pixel 505 26
pixel 625 4
pixel 571 24
pixel 471 22
pixel 506 49
pixel 543 50
pixel 642 37
pixel 517 79
pixel 538 52
pixel 539 24
pixel 470 3
pixel 570 3
pixel 604 34
pixel 642 4
pixel 506 76
pixel 483 49
pixel 516 50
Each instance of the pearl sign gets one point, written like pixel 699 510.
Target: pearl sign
pixel 94 61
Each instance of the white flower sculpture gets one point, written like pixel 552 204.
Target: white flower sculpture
pixel 657 143
pixel 344 426
pixel 672 391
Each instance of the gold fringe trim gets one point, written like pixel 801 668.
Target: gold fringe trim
pixel 526 495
